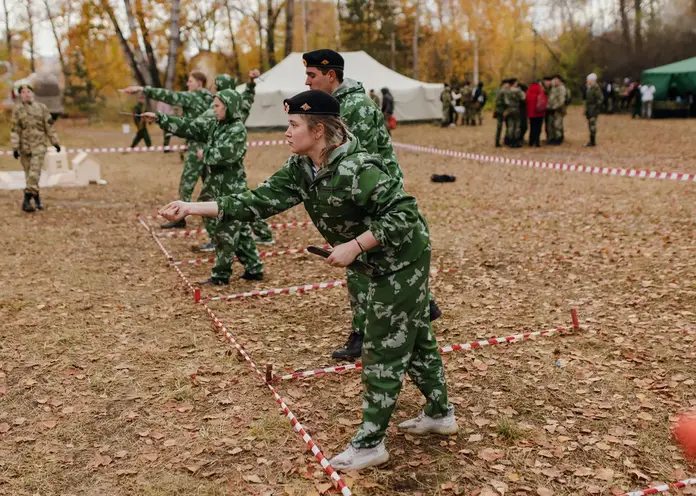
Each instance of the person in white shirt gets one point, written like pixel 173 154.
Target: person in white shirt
pixel 647 94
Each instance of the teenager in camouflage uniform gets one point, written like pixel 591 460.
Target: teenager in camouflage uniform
pixel 193 103
pixel 446 101
pixel 593 106
pixel 513 99
pixel 225 145
pixel 499 112
pixel 556 108
pixel 31 125
pixel 324 71
pixel 365 214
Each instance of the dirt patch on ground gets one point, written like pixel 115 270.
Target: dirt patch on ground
pixel 113 382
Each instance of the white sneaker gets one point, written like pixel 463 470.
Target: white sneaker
pixel 268 242
pixel 424 424
pixel 358 458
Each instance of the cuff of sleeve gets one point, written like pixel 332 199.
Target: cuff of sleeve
pixel 379 234
pixel 221 209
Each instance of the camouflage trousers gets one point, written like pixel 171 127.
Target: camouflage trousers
pixel 592 124
pixel 190 173
pixel 399 340
pixel 499 127
pixel 261 230
pixel 32 169
pixel 513 128
pixel 231 238
pixel 556 124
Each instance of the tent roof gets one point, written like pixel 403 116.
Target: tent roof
pixel 683 66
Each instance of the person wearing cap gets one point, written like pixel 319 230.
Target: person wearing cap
pixel 31 125
pixel 593 106
pixel 499 113
pixel 547 85
pixel 446 101
pixel 375 98
pixel 556 105
pixel 193 103
pixel 224 142
pixel 364 213
pixel 514 98
pixel 324 71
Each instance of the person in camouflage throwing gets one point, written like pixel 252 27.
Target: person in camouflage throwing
pixel 225 145
pixel 193 103
pixel 593 106
pixel 31 125
pixel 365 214
pixel 324 71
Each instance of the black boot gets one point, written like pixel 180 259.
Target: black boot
pixel 592 142
pixel 214 281
pixel 435 312
pixel 26 204
pixel 174 225
pixel 497 144
pixel 37 201
pixel 252 277
pixel 352 348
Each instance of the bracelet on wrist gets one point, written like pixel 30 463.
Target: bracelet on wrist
pixel 362 250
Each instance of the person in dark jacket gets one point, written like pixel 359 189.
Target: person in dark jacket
pixel 140 123
pixel 387 106
pixel 524 125
pixel 536 101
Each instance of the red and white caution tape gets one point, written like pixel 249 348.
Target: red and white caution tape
pixel 197 232
pixel 663 488
pixel 306 288
pixel 297 426
pixel 128 149
pixel 608 171
pixel 263 254
pixel 445 349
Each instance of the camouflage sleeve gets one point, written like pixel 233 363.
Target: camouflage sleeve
pixel 229 149
pixel 182 99
pixel 276 194
pixel 394 214
pixel 192 129
pixel 363 121
pixel 14 132
pixel 247 100
pixel 49 127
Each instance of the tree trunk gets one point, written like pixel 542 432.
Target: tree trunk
pixel 151 58
pixel 30 21
pixel 8 33
pixel 174 43
pixel 416 27
pixel 63 65
pixel 137 52
pixel 289 20
pixel 271 19
pixel 235 51
pixel 124 44
pixel 337 23
pixel 625 27
pixel 638 26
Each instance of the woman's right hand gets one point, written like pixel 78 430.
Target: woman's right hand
pixel 131 90
pixel 175 210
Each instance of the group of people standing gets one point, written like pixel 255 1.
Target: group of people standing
pixel 462 106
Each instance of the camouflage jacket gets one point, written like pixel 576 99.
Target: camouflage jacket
pixel 467 95
pixel 557 97
pixel 513 98
pixel 348 196
pixel 366 122
pixel 594 101
pixel 446 98
pixel 224 142
pixel 500 101
pixel 31 125
pixel 192 103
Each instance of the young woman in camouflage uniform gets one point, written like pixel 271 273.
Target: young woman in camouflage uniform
pixel 223 154
pixel 365 214
pixel 31 125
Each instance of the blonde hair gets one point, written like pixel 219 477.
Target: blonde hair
pixel 335 132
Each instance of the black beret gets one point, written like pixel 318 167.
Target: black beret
pixel 324 58
pixel 548 78
pixel 512 80
pixel 312 102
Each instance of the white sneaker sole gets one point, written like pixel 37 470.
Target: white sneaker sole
pixel 444 430
pixel 376 462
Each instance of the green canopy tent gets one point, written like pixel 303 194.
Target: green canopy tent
pixel 682 74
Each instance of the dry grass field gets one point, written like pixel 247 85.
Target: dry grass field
pixel 113 382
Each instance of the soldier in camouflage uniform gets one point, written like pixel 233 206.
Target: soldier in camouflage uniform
pixel 557 102
pixel 514 98
pixel 31 125
pixel 467 98
pixel 367 124
pixel 499 113
pixel 593 106
pixel 446 100
pixel 365 214
pixel 225 145
pixel 193 103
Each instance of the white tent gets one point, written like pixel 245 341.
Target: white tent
pixel 413 100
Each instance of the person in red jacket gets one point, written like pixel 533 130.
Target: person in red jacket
pixel 536 111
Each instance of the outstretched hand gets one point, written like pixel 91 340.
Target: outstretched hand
pixel 174 211
pixel 150 117
pixel 131 90
pixel 254 74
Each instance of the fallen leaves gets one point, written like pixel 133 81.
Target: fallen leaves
pixel 490 454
